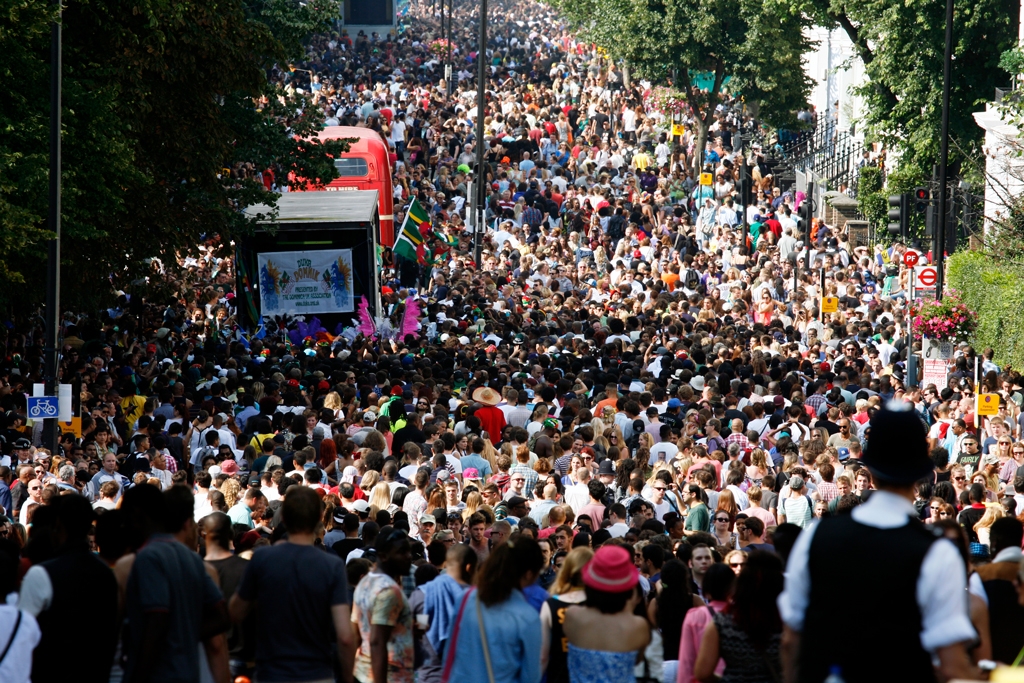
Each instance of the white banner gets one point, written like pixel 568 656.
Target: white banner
pixel 306 282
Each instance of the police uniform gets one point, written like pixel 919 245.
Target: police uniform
pixel 911 583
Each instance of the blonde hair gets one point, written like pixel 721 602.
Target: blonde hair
pixel 369 480
pixel 230 488
pixel 993 511
pixel 570 576
pixel 333 401
pixel 381 496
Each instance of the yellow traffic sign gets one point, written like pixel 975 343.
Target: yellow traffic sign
pixel 678 129
pixel 829 304
pixel 988 404
pixel 707 179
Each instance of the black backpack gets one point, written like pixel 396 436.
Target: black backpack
pixel 691 280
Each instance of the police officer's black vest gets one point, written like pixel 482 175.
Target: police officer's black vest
pixel 883 566
pixel 84 607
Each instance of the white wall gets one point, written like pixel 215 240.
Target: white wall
pixel 847 71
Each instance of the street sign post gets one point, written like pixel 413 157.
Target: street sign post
pixel 42 407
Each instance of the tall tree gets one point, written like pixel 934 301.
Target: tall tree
pixel 902 46
pixel 168 116
pixel 759 44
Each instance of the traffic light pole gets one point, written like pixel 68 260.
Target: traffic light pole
pixel 940 232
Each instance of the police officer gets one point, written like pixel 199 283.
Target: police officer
pixel 912 607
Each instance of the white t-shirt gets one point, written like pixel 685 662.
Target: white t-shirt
pixel 663 451
pixel 17 665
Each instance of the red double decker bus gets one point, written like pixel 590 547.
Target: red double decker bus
pixel 365 166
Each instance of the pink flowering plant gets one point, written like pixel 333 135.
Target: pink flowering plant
pixel 946 320
pixel 668 101
pixel 439 47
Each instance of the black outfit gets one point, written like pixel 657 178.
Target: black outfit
pixel 842 552
pixel 558 657
pixel 241 637
pixel 1005 615
pixel 91 615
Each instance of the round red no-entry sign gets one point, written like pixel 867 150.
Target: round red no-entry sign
pixel 910 259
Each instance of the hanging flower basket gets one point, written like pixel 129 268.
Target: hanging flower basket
pixel 946 320
pixel 439 47
pixel 668 101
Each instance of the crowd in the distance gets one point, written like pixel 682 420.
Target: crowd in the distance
pixel 600 446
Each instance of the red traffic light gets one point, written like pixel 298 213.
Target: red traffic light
pixel 921 194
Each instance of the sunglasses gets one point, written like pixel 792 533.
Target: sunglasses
pixel 1018 452
pixel 734 565
pixel 959 478
pixel 721 519
pixel 660 488
pixel 34 488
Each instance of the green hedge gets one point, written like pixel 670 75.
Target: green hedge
pixel 993 290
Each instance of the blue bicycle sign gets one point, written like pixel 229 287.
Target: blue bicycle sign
pixel 42 407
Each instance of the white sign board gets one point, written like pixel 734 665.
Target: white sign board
pixel 925 277
pixel 934 373
pixel 933 349
pixel 306 282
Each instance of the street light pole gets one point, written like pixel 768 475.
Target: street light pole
pixel 52 332
pixel 480 182
pixel 939 242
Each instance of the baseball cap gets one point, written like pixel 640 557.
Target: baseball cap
pixel 361 506
pixel 516 501
pixel 369 416
pixel 675 403
pixel 427 519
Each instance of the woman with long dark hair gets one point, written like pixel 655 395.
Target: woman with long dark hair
pixel 496 636
pixel 669 607
pixel 748 633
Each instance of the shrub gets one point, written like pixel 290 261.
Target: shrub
pixel 992 289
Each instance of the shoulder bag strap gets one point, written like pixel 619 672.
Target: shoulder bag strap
pixel 450 646
pixel 14 634
pixel 483 640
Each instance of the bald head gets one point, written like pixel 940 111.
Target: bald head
pixel 583 475
pixel 216 527
pixel 550 492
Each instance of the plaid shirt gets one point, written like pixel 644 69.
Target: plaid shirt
pixel 531 477
pixel 738 438
pixel 815 401
pixel 172 464
pixel 532 216
pixel 827 490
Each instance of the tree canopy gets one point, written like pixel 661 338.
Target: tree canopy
pixel 902 46
pixel 759 44
pixel 168 114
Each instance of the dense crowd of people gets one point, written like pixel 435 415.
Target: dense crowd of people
pixel 626 446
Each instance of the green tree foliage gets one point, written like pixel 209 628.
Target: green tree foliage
pixel 167 104
pixel 759 44
pixel 902 47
